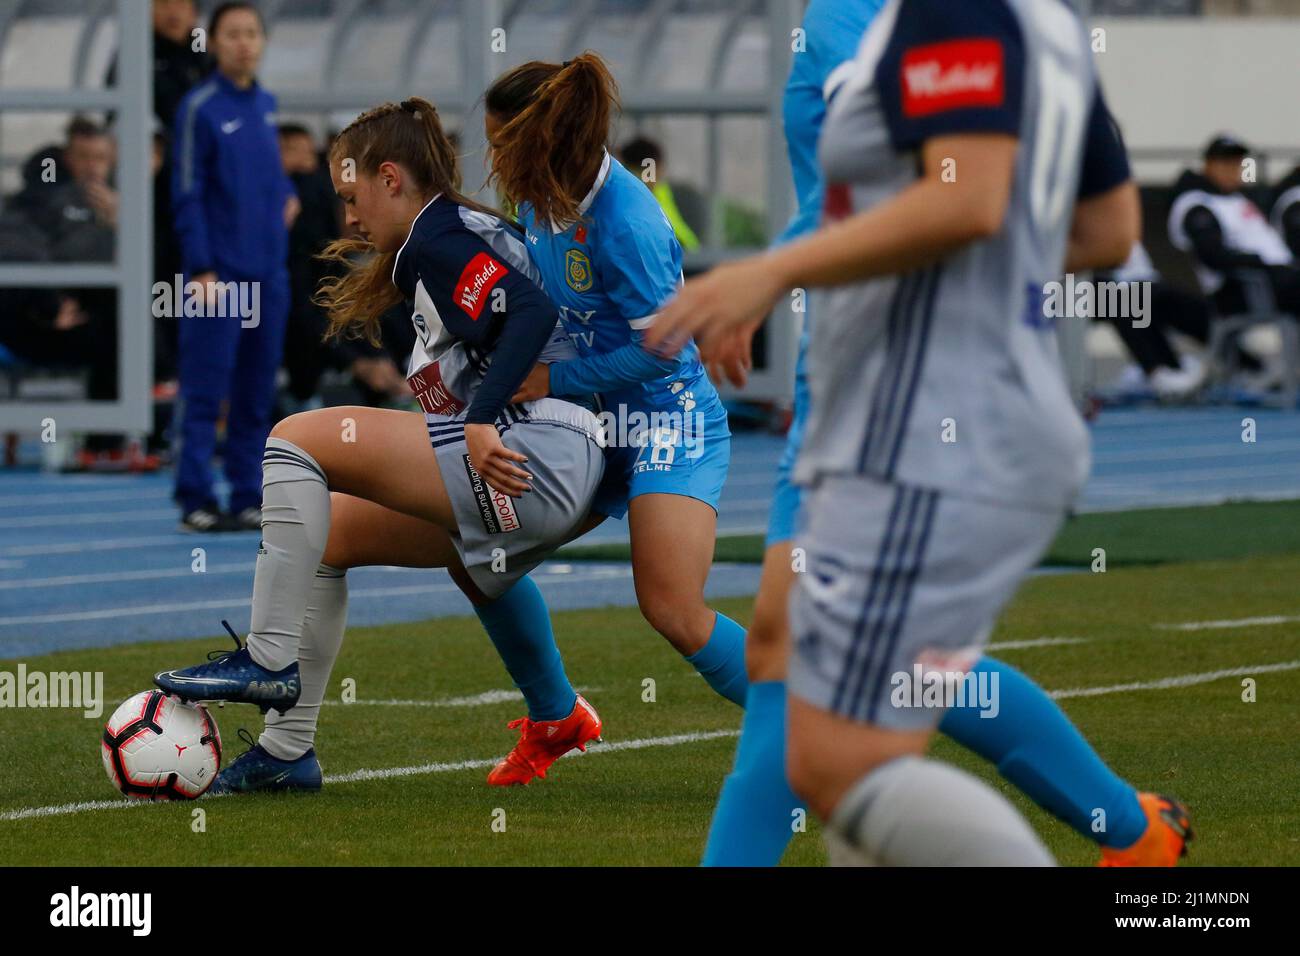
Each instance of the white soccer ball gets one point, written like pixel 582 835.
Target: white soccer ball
pixel 157 747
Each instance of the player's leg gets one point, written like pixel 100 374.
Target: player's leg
pixel 362 534
pixel 752 823
pixel 376 454
pixel 887 620
pixel 672 550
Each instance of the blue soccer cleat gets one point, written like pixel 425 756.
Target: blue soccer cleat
pixel 256 771
pixel 234 676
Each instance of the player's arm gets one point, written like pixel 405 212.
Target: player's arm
pixel 193 157
pixel 1108 213
pixel 967 149
pixel 639 268
pixel 510 316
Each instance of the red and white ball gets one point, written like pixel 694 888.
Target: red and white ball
pixel 157 747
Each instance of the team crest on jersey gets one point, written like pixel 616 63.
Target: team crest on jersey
pixel 577 270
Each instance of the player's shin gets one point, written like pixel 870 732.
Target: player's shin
pixel 288 736
pixel 519 625
pixel 295 527
pixel 1035 747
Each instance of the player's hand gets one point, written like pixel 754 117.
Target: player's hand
pixel 536 385
pixel 729 357
pixel 292 210
pixel 381 375
pixel 208 282
pixel 495 462
pixel 732 295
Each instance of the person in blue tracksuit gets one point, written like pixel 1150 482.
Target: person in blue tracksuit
pixel 232 204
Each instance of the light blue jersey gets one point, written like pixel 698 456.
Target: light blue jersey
pixel 609 273
pixel 832 30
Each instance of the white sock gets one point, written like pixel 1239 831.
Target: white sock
pixel 290 735
pixel 916 812
pixel 295 527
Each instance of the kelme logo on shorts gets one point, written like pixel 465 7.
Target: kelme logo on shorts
pixel 482 273
pixel 495 508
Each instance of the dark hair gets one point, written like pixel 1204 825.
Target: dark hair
pixel 409 134
pixel 230 7
pixel 294 129
pixel 636 151
pixel 81 126
pixel 555 121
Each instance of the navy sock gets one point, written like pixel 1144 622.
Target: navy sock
pixel 721 661
pixel 1035 746
pixel 520 628
pixel 752 822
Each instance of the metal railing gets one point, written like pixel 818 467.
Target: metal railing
pixel 131 273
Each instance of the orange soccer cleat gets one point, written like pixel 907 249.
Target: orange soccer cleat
pixel 542 742
pixel 1169 828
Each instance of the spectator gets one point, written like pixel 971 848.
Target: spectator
pixel 233 209
pixel 375 369
pixel 1227 234
pixel 75 211
pixel 177 65
pixel 645 159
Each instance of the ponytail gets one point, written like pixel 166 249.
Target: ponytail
pixel 555 122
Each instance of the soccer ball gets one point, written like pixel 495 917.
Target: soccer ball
pixel 157 747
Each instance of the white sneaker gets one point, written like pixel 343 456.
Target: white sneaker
pixel 1179 383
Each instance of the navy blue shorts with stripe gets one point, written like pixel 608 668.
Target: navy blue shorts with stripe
pixel 901 590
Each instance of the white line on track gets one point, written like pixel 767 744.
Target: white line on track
pixel 674 740
pixel 114 517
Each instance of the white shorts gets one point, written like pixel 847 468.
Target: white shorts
pixel 500 538
pixel 901 590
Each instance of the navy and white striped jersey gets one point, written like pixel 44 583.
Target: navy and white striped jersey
pixel 482 322
pixel 949 377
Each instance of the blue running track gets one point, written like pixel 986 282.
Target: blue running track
pixel 91 561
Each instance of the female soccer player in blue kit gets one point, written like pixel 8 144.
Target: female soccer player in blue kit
pixel 609 259
pixel 1033 743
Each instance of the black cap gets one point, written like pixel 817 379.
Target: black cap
pixel 1226 147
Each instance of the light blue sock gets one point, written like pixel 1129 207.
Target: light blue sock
pixel 1035 746
pixel 520 627
pixel 721 662
pixel 751 825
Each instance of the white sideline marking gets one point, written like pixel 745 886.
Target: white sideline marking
pixel 1235 622
pixel 1168 683
pixel 1164 683
pixel 386 774
pixel 1036 642
pixel 484 699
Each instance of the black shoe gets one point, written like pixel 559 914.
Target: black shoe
pixel 204 520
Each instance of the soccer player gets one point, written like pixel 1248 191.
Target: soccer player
pixel 958 142
pixel 609 259
pixel 1030 739
pixel 477 481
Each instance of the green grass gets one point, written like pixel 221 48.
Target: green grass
pixel 1233 762
pixel 1147 536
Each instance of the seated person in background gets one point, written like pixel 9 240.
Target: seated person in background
pixel 1227 234
pixel 72 202
pixel 1285 217
pixel 1159 366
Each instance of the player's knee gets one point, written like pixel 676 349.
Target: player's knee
pixel 673 618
